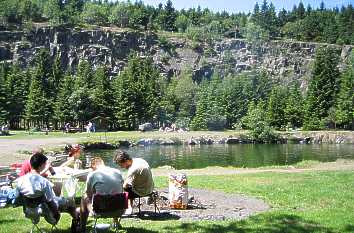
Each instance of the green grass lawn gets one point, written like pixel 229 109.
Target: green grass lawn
pixel 301 202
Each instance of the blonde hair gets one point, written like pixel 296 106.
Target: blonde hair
pixel 97 161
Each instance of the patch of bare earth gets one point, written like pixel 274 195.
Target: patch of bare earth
pixel 10 150
pixel 207 205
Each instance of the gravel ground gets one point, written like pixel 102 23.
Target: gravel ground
pixel 10 148
pixel 208 205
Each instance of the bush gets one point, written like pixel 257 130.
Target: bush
pixel 260 130
pixel 182 122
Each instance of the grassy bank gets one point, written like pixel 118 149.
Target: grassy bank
pixel 116 135
pixel 301 202
pixel 136 135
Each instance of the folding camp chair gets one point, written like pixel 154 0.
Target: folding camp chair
pixel 153 197
pixel 34 208
pixel 109 206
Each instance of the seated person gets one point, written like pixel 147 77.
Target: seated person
pixel 26 165
pixel 74 158
pixel 139 182
pixel 103 180
pixel 34 186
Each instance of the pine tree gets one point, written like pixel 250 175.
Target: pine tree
pixel 103 93
pixel 185 91
pixel 210 111
pixel 256 14
pixel 322 88
pixel 137 93
pixel 3 97
pixel 202 108
pixel 84 76
pixel 36 111
pixel 294 110
pixel 169 17
pixel 255 121
pixel 346 25
pixel 63 111
pixel 234 98
pixel 56 77
pixel 18 86
pixel 300 11
pixel 345 99
pixel 276 107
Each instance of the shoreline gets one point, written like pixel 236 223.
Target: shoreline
pixel 15 148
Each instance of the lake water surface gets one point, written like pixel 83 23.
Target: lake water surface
pixel 240 155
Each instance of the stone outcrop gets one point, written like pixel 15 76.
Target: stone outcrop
pixel 112 46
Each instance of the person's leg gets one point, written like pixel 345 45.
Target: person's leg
pixel 131 196
pixel 68 206
pixel 85 208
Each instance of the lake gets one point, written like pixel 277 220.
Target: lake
pixel 240 155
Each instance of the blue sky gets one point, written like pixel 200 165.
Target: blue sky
pixel 245 5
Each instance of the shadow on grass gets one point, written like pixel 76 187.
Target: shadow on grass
pixel 152 216
pixel 7 221
pixel 349 228
pixel 123 230
pixel 268 224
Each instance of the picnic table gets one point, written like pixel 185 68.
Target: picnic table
pixel 73 130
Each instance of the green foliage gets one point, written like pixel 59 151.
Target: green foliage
pixel 63 111
pixel 102 95
pixel 81 104
pixel 84 76
pixel 95 13
pixel 167 17
pixel 53 10
pixel 209 113
pixel 277 104
pixel 182 23
pixel 18 85
pixel 137 93
pixel 345 99
pixel 323 88
pixel 294 111
pixel 260 130
pixel 3 97
pixel 235 98
pixel 37 105
pixel 321 25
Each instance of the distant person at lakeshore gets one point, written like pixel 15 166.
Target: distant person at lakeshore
pixel 139 182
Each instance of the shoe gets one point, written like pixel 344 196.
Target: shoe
pixel 75 226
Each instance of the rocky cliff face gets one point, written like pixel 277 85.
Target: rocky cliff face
pixel 111 47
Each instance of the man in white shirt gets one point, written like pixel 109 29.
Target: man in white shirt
pixel 102 180
pixel 139 182
pixel 38 190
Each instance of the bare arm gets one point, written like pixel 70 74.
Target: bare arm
pixel 69 162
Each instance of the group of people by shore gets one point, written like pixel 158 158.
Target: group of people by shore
pixel 34 182
pixel 89 127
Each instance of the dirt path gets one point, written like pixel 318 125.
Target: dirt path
pixel 207 205
pixel 10 148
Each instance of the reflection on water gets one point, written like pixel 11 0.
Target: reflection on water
pixel 243 155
